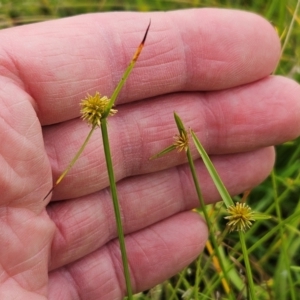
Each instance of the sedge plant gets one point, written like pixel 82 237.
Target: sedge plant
pixel 240 216
pixel 181 143
pixel 95 110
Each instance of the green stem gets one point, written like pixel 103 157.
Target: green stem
pixel 247 266
pixel 223 273
pixel 113 189
pixel 118 89
pixel 210 227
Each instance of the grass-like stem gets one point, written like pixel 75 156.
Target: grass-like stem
pixel 223 273
pixel 113 190
pixel 247 266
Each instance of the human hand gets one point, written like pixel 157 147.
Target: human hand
pixel 210 66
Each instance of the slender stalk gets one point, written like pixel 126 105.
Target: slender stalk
pixel 223 272
pixel 109 165
pixel 197 278
pixel 113 189
pixel 247 266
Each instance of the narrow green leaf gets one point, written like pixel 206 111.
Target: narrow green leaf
pixel 213 172
pixel 163 152
pixel 73 161
pixel 295 268
pixel 261 216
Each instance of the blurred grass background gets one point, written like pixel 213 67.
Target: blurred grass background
pixel 277 196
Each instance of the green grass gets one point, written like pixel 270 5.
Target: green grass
pixel 273 244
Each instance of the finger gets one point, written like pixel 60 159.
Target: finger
pixel 58 62
pixel 236 120
pixel 100 275
pixel 87 223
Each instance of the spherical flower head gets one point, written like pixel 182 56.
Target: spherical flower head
pixel 240 217
pixel 181 141
pixel 93 108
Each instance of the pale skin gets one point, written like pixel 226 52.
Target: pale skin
pixel 210 66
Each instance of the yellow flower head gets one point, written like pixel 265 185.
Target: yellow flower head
pixel 93 107
pixel 240 217
pixel 181 141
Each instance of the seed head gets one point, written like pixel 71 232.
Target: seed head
pixel 240 217
pixel 181 141
pixel 93 107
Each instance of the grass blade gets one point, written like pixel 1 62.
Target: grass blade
pixel 73 161
pixel 213 172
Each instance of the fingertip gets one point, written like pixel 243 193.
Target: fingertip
pixel 227 48
pixel 282 107
pixel 290 90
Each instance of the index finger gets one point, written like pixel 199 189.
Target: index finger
pixel 58 62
